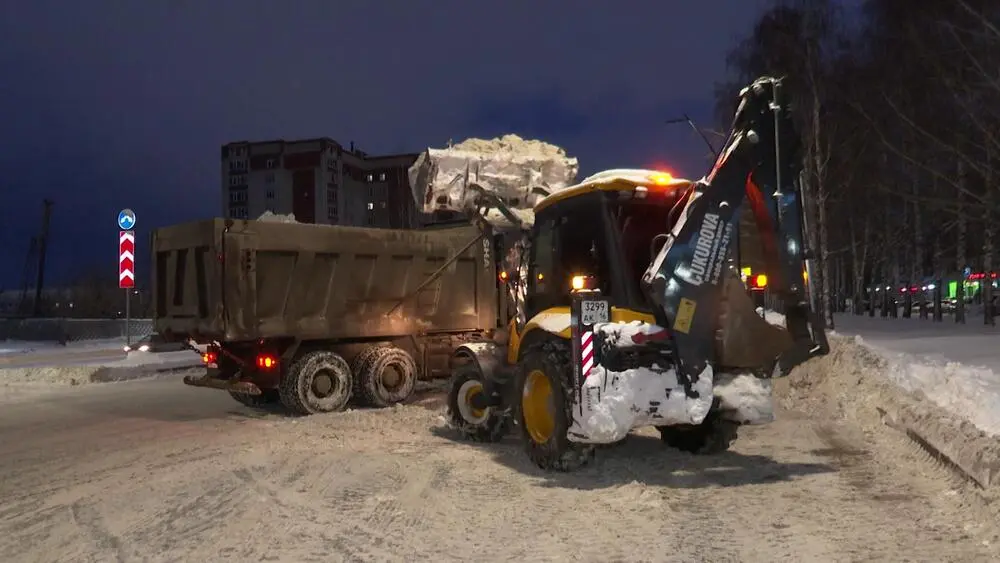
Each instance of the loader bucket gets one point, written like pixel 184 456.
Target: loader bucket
pixel 748 342
pixel 745 340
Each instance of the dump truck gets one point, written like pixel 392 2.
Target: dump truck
pixel 313 316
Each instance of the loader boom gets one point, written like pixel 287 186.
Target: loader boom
pixel 759 164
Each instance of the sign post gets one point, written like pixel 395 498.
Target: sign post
pixel 126 265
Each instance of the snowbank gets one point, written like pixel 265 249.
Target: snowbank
pixel 8 347
pixel 48 375
pixel 968 391
pixel 972 392
pixel 853 383
pixel 509 167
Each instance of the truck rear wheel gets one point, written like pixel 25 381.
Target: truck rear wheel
pixel 387 376
pixel 479 425
pixel 543 407
pixel 267 397
pixel 318 382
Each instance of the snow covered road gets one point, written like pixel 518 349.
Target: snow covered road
pixel 153 470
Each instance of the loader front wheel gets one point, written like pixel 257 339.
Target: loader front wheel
pixel 318 382
pixel 479 425
pixel 543 408
pixel 714 435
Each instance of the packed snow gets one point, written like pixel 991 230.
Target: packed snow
pixel 509 167
pixel 615 402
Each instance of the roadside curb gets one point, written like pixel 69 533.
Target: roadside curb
pixel 111 374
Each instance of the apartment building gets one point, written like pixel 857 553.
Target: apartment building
pixel 319 181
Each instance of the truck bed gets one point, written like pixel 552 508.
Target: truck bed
pixel 239 280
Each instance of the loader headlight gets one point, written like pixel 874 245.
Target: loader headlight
pixel 579 283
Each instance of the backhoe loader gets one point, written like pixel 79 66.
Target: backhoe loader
pixel 628 313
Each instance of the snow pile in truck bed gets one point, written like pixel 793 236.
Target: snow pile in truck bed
pixel 509 167
pixel 271 217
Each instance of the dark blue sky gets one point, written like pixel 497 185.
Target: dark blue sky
pixel 111 104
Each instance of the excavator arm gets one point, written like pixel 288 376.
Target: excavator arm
pixel 690 282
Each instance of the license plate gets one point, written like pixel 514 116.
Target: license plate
pixel 593 312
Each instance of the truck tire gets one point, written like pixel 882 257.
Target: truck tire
pixel 266 398
pixel 487 425
pixel 387 377
pixel 543 408
pixel 714 435
pixel 317 382
pixel 359 361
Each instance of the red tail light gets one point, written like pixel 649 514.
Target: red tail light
pixel 209 357
pixel 758 282
pixel 266 361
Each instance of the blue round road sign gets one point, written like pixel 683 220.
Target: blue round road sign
pixel 126 219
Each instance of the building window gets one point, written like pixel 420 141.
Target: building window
pixel 237 196
pixel 371 206
pixel 237 165
pixel 331 165
pixel 331 213
pixel 238 212
pixel 269 163
pixel 270 194
pixel 237 180
pixel 370 178
pixel 269 178
pixel 381 177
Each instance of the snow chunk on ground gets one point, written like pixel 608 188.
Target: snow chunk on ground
pixel 745 398
pixel 509 167
pixel 271 217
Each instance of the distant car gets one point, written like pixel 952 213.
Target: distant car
pixel 154 343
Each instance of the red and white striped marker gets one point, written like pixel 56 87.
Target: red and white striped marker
pixel 126 259
pixel 586 352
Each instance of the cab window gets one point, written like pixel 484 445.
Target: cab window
pixel 566 243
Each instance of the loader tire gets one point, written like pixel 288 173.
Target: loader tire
pixel 317 382
pixel 387 377
pixel 266 398
pixel 486 425
pixel 543 407
pixel 714 435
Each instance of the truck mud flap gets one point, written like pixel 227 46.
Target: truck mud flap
pixel 211 382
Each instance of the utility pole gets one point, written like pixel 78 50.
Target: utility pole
pixel 43 243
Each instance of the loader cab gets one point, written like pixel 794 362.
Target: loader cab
pixel 606 231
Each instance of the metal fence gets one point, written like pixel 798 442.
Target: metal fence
pixel 72 330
